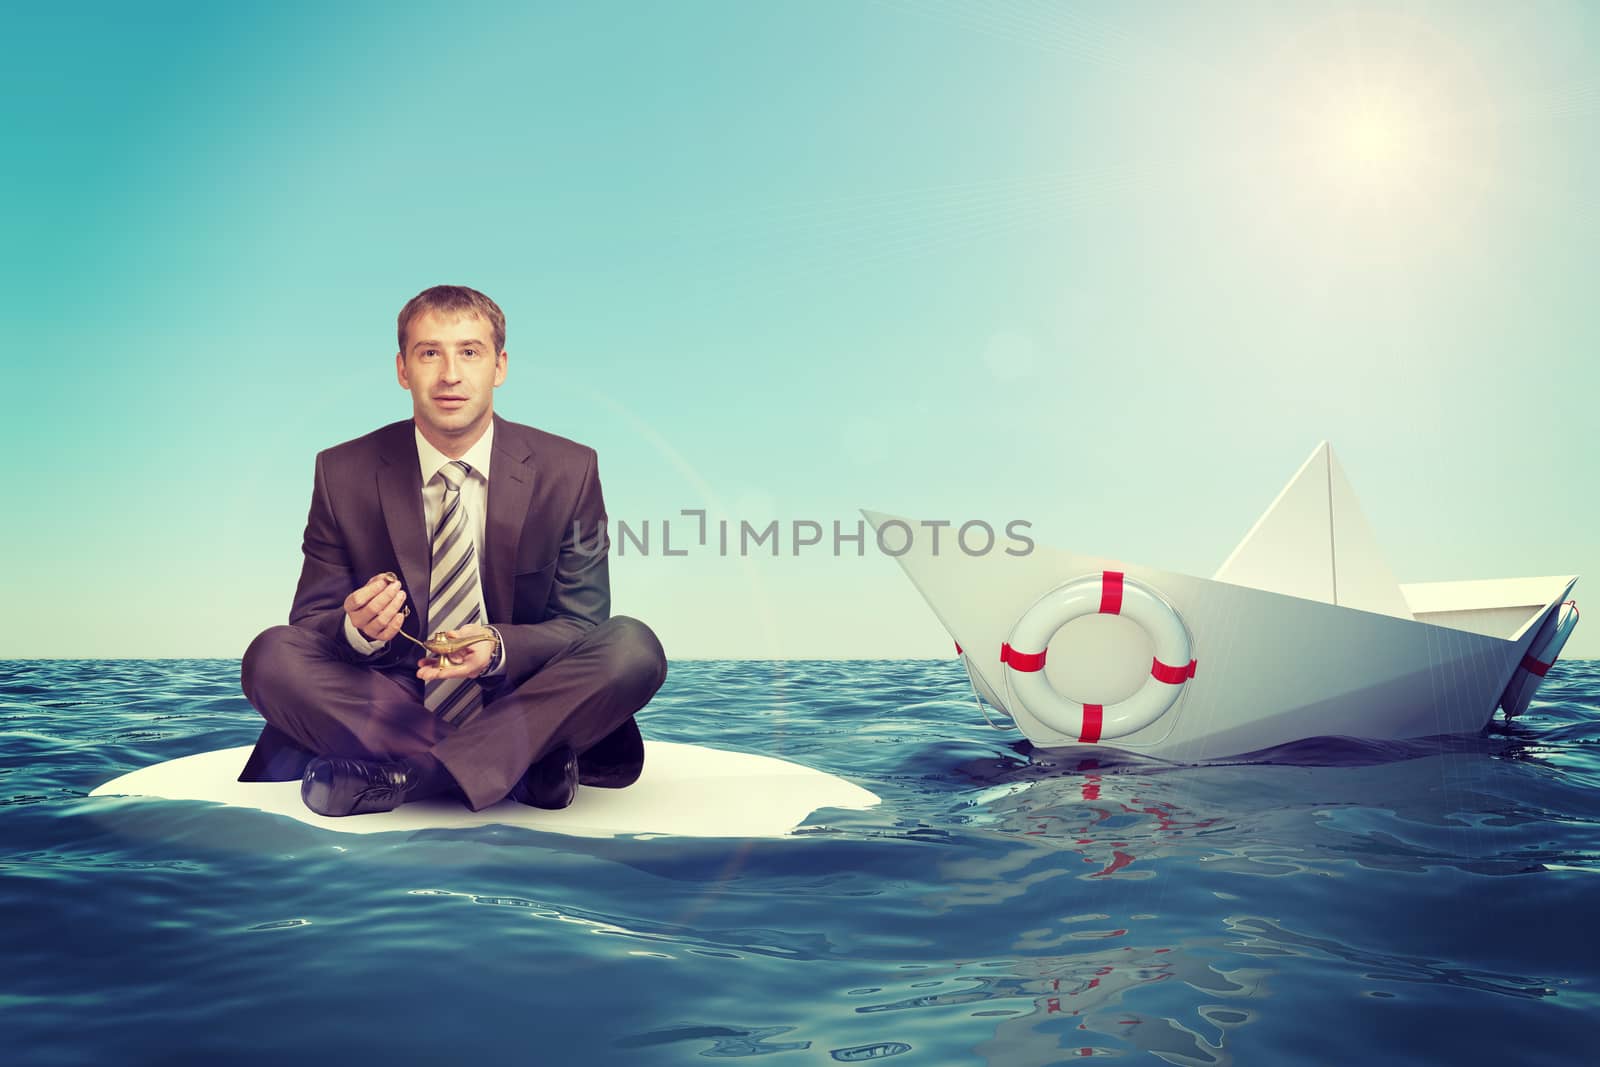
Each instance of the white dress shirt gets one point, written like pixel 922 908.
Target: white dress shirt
pixel 474 497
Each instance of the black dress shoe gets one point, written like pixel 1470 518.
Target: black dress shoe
pixel 550 781
pixel 616 761
pixel 334 785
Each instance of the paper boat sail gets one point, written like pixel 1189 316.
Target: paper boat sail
pixel 1303 632
pixel 1314 543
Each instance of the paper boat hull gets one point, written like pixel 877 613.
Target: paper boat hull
pixel 1270 669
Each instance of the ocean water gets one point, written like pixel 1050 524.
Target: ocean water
pixel 1434 902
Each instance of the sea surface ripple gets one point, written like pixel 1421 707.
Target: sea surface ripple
pixel 1426 902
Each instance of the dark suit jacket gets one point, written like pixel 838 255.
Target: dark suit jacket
pixel 541 588
pixel 544 565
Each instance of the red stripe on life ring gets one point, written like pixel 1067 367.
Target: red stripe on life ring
pixel 1022 661
pixel 1161 672
pixel 1533 666
pixel 958 646
pixel 1111 593
pixel 1093 714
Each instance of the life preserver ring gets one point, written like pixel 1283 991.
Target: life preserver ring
pixel 1542 654
pixel 982 695
pixel 1108 593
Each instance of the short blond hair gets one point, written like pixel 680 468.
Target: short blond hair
pixel 454 300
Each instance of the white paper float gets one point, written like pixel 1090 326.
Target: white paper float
pixel 684 791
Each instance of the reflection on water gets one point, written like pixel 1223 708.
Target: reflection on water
pixel 1003 906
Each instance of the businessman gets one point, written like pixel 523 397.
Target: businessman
pixel 460 522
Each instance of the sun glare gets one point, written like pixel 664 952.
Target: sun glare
pixel 1365 143
pixel 1377 139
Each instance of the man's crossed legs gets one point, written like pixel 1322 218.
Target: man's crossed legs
pixel 582 701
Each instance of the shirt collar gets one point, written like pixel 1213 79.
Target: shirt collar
pixel 476 457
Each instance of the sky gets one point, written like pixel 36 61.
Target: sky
pixel 1113 270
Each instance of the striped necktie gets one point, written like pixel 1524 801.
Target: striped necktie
pixel 455 598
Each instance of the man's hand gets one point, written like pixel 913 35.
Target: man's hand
pixel 375 608
pixel 467 663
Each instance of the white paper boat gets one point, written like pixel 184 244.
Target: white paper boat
pixel 1303 632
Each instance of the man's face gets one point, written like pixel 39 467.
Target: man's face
pixel 451 368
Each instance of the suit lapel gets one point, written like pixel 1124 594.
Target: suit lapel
pixel 510 490
pixel 400 494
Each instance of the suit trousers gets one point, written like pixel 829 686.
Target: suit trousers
pixel 317 702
